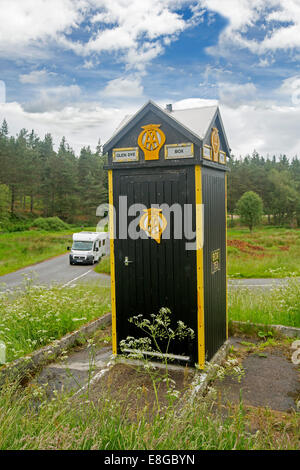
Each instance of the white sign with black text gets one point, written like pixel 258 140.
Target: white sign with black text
pixel 179 151
pixel 126 155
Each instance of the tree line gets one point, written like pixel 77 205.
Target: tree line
pixel 275 180
pixel 37 180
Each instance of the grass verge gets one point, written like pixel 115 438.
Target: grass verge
pixel 279 306
pixel 38 316
pixel 267 252
pixel 21 249
pixel 103 266
pixel 33 422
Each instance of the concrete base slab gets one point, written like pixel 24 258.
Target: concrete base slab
pixel 75 372
pixel 270 380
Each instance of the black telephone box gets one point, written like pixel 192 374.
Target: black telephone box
pixel 167 194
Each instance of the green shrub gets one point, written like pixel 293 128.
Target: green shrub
pixel 50 224
pixel 13 226
pixel 250 209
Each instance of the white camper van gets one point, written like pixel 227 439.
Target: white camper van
pixel 89 247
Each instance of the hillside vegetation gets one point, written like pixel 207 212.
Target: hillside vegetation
pixel 36 180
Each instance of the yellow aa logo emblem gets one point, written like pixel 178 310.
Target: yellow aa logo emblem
pixel 215 143
pixel 153 223
pixel 151 140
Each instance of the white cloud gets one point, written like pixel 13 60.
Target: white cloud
pixel 250 123
pixel 139 57
pixel 53 98
pixel 290 90
pixel 288 35
pixel 88 64
pixel 138 30
pixel 124 88
pixel 30 27
pixel 82 125
pixel 31 24
pixel 36 76
pixel 152 18
pixel 2 92
pixel 109 40
pixel 240 13
pixel 234 94
pixel 271 130
pixel 265 62
pixel 279 18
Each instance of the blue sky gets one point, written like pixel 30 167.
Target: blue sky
pixel 76 67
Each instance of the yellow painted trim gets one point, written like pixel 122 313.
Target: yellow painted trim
pixel 200 275
pixel 226 260
pixel 112 262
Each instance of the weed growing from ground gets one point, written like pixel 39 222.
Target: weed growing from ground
pixel 159 337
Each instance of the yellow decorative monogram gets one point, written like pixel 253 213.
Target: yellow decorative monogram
pixel 215 143
pixel 153 223
pixel 151 140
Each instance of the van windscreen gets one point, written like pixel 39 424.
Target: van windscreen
pixel 82 246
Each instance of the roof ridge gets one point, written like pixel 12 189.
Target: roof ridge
pixel 196 107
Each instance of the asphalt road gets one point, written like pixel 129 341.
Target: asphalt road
pixel 58 271
pixel 255 283
pixel 54 271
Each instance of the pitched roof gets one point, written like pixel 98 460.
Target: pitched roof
pixel 196 121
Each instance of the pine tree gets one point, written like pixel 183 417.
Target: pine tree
pixel 4 129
